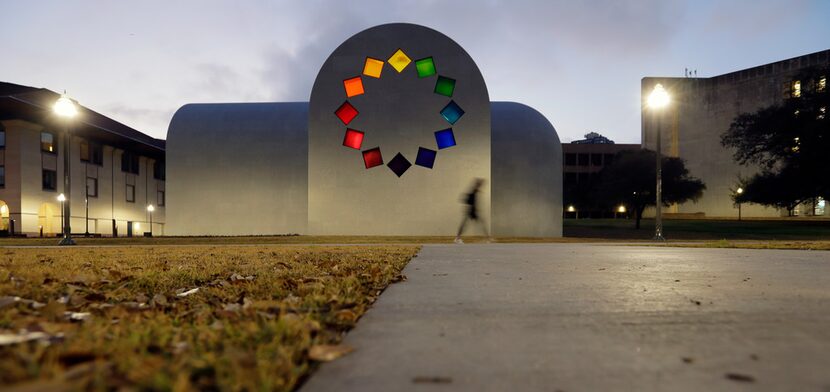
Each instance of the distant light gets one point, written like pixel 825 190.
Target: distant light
pixel 621 209
pixel 64 107
pixel 137 226
pixel 571 209
pixel 61 198
pixel 150 208
pixel 740 190
pixel 659 97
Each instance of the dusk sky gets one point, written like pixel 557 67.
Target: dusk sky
pixel 578 62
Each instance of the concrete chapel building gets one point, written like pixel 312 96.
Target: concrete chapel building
pixel 398 126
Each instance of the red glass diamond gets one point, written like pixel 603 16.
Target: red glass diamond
pixel 346 112
pixel 372 158
pixel 353 139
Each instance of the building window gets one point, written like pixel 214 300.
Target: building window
pixel 160 198
pixel 129 162
pixel 570 159
pixel 596 159
pixel 91 187
pixel 822 84
pixel 583 159
pixel 84 151
pixel 2 176
pixel 97 152
pixel 131 193
pixel 796 90
pixel 2 137
pixel 47 142
pixel 608 158
pixel 50 180
pixel 159 170
pixel 822 111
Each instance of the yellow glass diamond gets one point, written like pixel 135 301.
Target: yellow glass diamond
pixel 399 61
pixel 373 67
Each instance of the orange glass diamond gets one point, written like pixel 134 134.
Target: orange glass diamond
pixel 354 86
pixel 373 67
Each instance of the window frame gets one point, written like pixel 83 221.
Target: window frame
pixel 43 180
pixel 54 143
pixel 95 194
pixel 81 145
pixel 160 198
pixel 129 192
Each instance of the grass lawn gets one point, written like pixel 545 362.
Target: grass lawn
pixel 701 229
pixel 182 317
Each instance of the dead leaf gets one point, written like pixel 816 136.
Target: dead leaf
pixel 8 301
pixel 328 352
pixel 188 292
pixel 8 339
pixel 346 316
pixel 159 300
pixel 77 316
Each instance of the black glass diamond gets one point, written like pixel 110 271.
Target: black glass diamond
pixel 399 164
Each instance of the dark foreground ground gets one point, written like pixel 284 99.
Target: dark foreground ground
pixel 700 229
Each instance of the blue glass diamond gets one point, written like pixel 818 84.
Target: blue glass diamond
pixel 444 138
pixel 452 112
pixel 426 157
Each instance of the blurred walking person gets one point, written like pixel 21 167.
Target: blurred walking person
pixel 471 212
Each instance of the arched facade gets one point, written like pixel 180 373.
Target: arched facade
pixel 398 126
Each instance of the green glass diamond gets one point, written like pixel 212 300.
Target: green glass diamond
pixel 425 67
pixel 445 86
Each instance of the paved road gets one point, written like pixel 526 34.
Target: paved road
pixel 583 317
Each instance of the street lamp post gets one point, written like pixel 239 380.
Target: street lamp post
pixel 64 107
pixel 150 210
pixel 657 100
pixel 739 191
pixel 86 217
pixel 61 199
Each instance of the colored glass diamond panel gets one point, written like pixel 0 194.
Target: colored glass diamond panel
pixel 452 112
pixel 399 165
pixel 372 158
pixel 354 86
pixel 346 112
pixel 373 67
pixel 399 60
pixel 445 86
pixel 425 67
pixel 353 139
pixel 444 138
pixel 426 157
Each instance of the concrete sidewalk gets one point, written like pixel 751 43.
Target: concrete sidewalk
pixel 582 317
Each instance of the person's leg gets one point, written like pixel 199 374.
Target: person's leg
pixel 461 229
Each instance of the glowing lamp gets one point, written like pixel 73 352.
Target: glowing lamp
pixel 64 107
pixel 658 98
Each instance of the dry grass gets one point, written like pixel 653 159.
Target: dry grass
pixel 287 239
pixel 794 245
pixel 259 314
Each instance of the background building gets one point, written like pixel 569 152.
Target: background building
pixel 398 126
pixel 702 109
pixel 582 160
pixel 116 171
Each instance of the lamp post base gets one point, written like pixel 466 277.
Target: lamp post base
pixel 66 241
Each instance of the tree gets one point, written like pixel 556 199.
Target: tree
pixel 790 142
pixel 630 180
